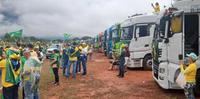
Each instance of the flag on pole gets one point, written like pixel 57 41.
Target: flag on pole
pixel 16 34
pixel 67 36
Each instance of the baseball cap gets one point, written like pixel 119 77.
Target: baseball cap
pixel 193 56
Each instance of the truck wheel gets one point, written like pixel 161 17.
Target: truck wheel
pixel 197 88
pixel 147 62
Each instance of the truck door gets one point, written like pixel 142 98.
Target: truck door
pixel 142 40
pixel 175 36
pixel 175 44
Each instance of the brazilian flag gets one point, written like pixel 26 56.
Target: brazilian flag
pixel 67 36
pixel 16 34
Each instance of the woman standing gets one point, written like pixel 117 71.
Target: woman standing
pixel 190 75
pixel 55 64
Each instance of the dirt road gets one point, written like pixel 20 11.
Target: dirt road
pixel 100 83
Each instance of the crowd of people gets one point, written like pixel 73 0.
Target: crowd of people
pixel 73 55
pixel 21 66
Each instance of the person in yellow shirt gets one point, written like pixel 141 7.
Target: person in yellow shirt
pixel 83 57
pixel 156 7
pixel 10 85
pixel 189 72
pixel 73 51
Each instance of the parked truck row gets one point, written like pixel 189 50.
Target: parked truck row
pixel 155 41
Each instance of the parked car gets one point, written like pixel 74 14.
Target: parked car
pixel 51 48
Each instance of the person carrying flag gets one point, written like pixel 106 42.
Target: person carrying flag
pixel 11 68
pixel 73 51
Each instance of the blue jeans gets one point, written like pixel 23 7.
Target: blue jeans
pixel 83 60
pixel 30 94
pixel 188 90
pixel 121 67
pixel 78 65
pixel 74 63
pixel 65 64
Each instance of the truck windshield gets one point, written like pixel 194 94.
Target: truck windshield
pixel 127 33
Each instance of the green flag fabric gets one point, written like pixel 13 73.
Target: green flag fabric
pixel 16 34
pixel 67 36
pixel 10 77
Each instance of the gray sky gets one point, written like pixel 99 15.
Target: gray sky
pixel 52 18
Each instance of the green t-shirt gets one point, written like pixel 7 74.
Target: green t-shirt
pixel 57 58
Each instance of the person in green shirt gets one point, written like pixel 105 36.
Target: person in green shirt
pixel 55 64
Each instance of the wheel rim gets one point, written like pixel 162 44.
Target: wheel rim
pixel 149 63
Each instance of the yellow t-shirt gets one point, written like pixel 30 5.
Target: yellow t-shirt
pixel 190 72
pixel 74 58
pixel 3 77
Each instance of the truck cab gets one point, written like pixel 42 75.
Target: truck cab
pixel 177 33
pixel 126 31
pixel 140 45
pixel 114 37
pixel 105 39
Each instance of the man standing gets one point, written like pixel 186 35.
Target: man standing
pixel 65 59
pixel 122 61
pixel 31 77
pixel 73 50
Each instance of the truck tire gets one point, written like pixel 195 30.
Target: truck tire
pixel 147 62
pixel 197 88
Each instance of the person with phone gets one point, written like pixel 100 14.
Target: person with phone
pixel 189 74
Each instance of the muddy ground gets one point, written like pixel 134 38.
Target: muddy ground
pixel 100 83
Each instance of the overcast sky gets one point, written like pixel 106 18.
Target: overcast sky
pixel 52 18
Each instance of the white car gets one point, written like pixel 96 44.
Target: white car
pixel 52 48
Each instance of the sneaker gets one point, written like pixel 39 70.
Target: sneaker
pixel 56 84
pixel 83 74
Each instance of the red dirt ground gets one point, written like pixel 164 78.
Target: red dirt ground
pixel 100 83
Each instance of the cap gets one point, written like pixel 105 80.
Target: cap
pixel 193 56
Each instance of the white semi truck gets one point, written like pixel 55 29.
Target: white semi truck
pixel 177 33
pixel 140 45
